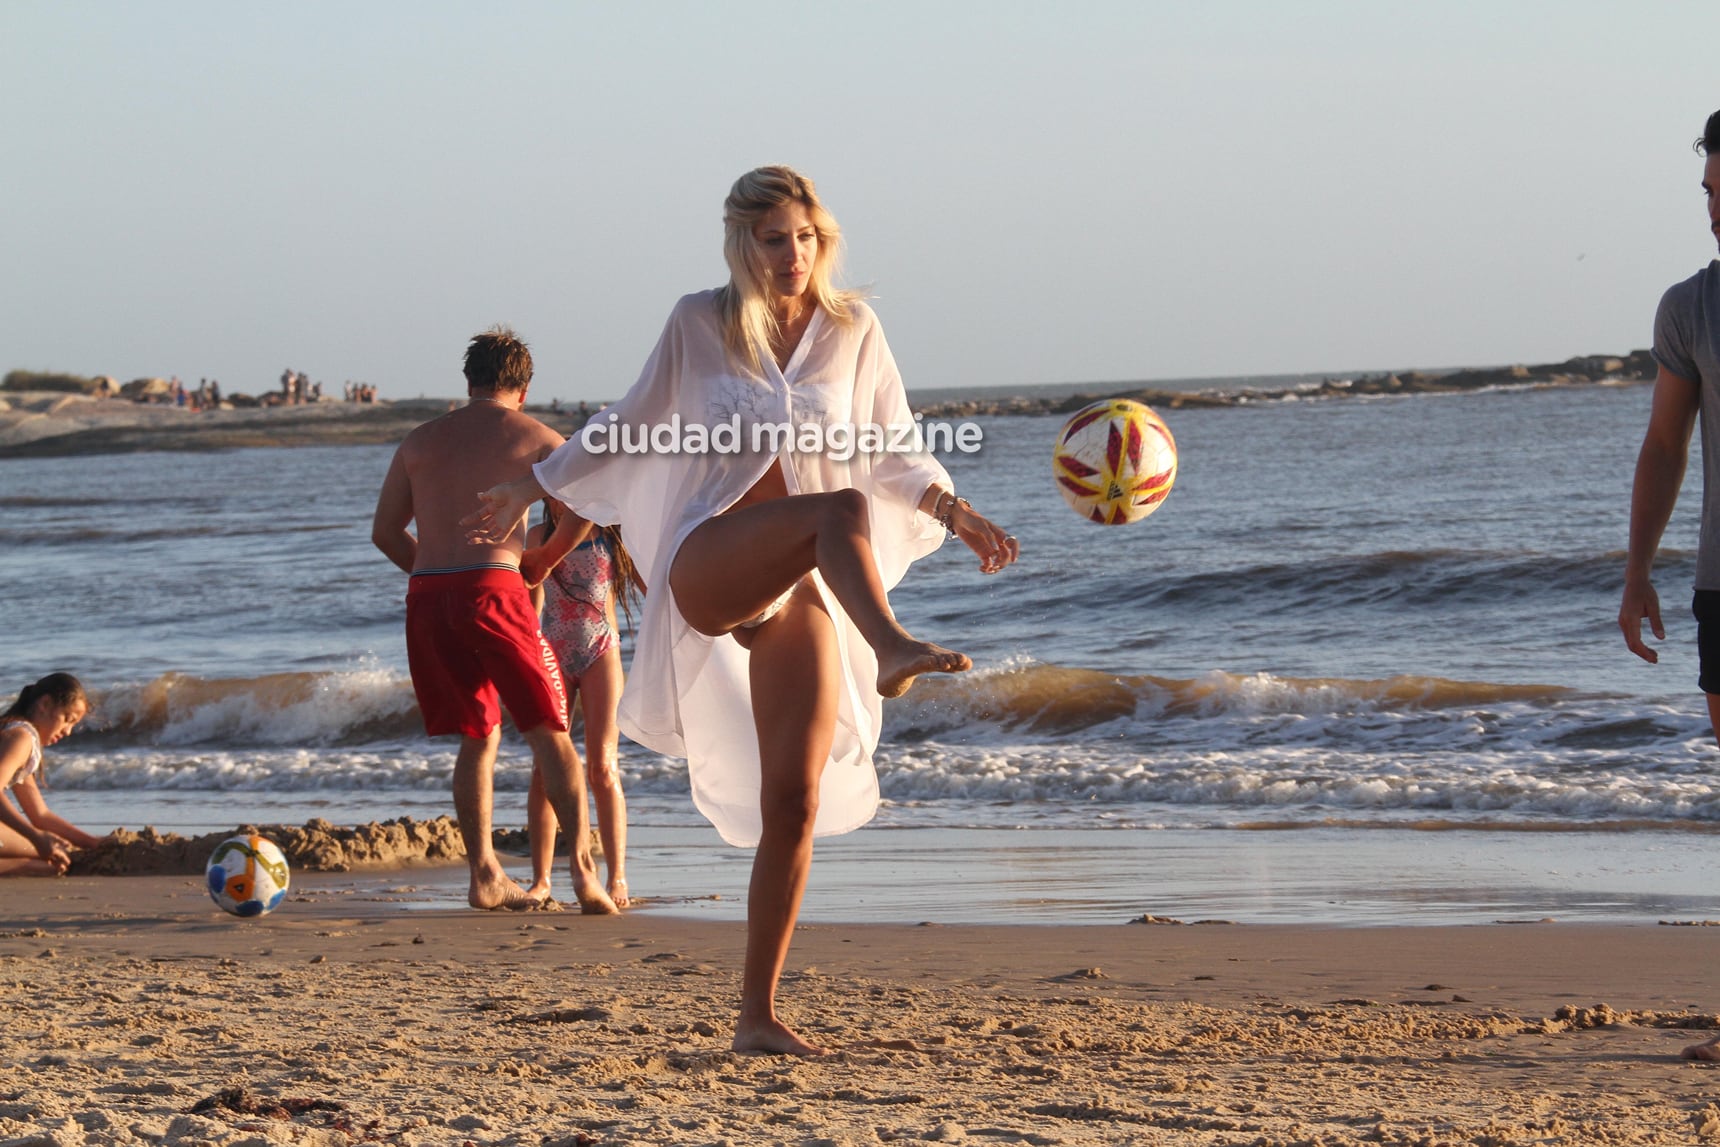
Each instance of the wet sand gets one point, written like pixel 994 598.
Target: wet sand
pixel 137 1012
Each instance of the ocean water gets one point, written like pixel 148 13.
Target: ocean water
pixel 1361 665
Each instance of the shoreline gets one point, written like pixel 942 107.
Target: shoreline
pixel 149 1016
pixel 898 872
pixel 49 424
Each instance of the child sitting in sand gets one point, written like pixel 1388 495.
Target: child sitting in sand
pixel 35 841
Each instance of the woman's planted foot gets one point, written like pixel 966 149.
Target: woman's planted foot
pixel 772 1037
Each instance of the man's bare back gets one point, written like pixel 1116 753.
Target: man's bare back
pixel 435 478
pixel 472 638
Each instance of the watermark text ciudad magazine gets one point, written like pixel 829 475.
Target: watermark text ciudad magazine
pixel 607 434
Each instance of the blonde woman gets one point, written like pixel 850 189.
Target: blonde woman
pixel 764 662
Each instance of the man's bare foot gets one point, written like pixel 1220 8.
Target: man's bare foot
pixel 774 1037
pixel 1709 1051
pixel 593 900
pixel 897 670
pixel 491 888
pixel 618 891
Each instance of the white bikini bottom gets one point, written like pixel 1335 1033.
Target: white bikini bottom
pixel 770 610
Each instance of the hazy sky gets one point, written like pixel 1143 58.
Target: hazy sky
pixel 1034 192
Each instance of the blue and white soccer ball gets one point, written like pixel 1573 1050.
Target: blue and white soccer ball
pixel 247 875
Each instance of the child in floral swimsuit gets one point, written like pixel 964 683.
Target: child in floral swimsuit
pixel 578 615
pixel 579 599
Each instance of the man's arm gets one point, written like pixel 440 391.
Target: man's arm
pixel 1659 474
pixel 388 530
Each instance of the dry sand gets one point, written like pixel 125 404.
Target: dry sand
pixel 136 1012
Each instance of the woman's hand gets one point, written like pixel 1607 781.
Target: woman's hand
pixel 500 511
pixel 995 548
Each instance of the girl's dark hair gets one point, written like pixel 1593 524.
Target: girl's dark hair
pixel 1709 144
pixel 621 586
pixel 60 688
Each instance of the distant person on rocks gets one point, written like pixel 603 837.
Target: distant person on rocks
pixel 34 840
pixel 472 635
pixel 1686 339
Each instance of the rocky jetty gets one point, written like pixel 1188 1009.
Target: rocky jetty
pixel 66 415
pixel 1636 367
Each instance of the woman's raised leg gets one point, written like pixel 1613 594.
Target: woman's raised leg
pixel 795 682
pixel 735 565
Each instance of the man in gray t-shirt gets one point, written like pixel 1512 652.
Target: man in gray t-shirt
pixel 1687 349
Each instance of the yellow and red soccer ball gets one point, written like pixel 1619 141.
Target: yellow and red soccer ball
pixel 1115 461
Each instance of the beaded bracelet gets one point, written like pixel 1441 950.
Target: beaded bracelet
pixel 942 515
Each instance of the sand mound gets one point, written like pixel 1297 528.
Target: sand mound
pixel 316 847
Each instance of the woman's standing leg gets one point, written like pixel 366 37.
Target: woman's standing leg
pixel 795 681
pixel 600 690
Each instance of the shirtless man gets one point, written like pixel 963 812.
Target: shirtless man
pixel 1685 333
pixel 472 635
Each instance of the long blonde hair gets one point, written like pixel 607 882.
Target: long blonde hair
pixel 748 322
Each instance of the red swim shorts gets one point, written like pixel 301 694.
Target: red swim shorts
pixel 472 638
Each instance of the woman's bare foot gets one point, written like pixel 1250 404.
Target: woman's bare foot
pixel 491 888
pixel 539 889
pixel 1709 1051
pixel 774 1037
pixel 898 668
pixel 618 891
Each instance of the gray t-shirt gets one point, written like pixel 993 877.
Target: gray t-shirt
pixel 1687 343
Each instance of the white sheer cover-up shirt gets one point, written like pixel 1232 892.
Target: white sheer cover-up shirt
pixel 687 694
